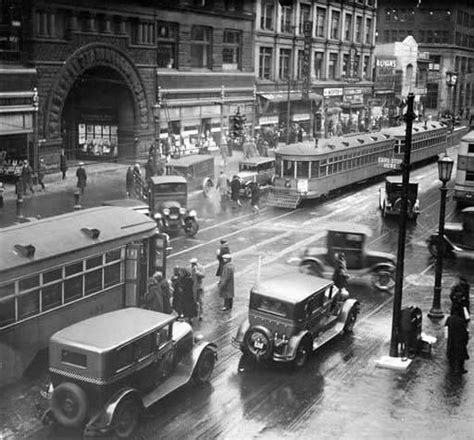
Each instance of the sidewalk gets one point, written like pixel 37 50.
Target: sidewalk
pixel 55 183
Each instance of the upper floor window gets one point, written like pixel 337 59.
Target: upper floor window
pixel 335 22
pixel 305 15
pixel 167 45
pixel 348 27
pixel 320 22
pixel 46 26
pixel 143 32
pixel 332 66
pixel 232 49
pixel 266 15
pixel 368 31
pixel 300 64
pixel 284 66
pixel 265 63
pixel 358 29
pixel 318 64
pixel 345 64
pixel 366 68
pixel 201 46
pixel 234 5
pixel 286 19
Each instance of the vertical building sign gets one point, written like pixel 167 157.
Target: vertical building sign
pixel 306 70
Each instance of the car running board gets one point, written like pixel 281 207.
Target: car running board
pixel 328 335
pixel 181 376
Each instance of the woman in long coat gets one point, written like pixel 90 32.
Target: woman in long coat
pixel 226 283
pixel 81 178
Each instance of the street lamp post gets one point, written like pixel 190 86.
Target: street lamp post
pixel 157 117
pixel 35 132
pixel 451 80
pixel 445 168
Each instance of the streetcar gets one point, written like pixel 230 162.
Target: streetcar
pixel 63 269
pixel 310 170
pixel 464 183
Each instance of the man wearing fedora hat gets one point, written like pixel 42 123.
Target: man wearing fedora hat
pixel 197 274
pixel 226 283
pixel 223 249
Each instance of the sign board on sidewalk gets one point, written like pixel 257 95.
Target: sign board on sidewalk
pixel 390 162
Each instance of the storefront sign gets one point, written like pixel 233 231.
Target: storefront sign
pixel 267 120
pixel 335 91
pixel 301 117
pixel 306 68
pixel 354 99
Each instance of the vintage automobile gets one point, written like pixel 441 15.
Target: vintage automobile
pixel 133 204
pixel 195 168
pixel 106 369
pixel 168 196
pixel 350 238
pixel 291 315
pixel 458 238
pixel 257 169
pixel 390 198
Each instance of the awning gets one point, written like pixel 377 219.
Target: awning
pixel 294 96
pixel 334 110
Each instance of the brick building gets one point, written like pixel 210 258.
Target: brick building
pixel 339 63
pixel 111 75
pixel 444 30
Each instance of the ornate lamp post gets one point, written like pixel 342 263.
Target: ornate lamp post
pixel 156 116
pixel 451 80
pixel 445 168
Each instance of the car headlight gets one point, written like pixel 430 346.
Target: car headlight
pixel 182 211
pixel 166 211
pixel 157 216
pixel 280 340
pixel 193 213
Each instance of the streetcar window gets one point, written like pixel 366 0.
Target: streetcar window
pixel 29 283
pixel 288 168
pixel 469 175
pixel 28 304
pixel 278 166
pixel 74 268
pixel 93 262
pixel 113 255
pixel 93 281
pixel 51 296
pixel 73 288
pixel 302 169
pixel 7 310
pixel 470 148
pixel 315 168
pixel 111 275
pixel 52 275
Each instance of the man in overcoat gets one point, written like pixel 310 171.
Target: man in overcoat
pixel 223 250
pixel 226 283
pixel 81 177
pixel 458 338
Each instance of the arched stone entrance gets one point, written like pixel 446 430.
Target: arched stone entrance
pixel 98 89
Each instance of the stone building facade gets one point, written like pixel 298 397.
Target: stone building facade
pixel 443 30
pixel 112 75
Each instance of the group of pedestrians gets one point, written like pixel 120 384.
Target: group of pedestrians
pixel 222 186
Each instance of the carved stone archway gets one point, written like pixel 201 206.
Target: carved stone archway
pixel 89 56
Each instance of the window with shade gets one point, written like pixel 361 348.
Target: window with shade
pixel 267 12
pixel 358 29
pixel 332 66
pixel 167 45
pixel 231 50
pixel 284 64
pixel 286 19
pixel 201 47
pixel 321 22
pixel 305 15
pixel 368 31
pixel 318 64
pixel 348 27
pixel 265 63
pixel 335 23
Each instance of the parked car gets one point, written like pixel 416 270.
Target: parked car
pixel 458 239
pixel 390 198
pixel 350 238
pixel 257 169
pixel 291 315
pixel 133 204
pixel 168 196
pixel 106 369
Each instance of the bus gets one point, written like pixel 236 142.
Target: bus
pixel 63 269
pixel 464 183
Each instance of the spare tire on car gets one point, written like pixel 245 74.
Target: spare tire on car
pixel 69 404
pixel 258 342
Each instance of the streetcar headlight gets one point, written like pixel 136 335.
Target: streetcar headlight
pixel 166 211
pixel 182 211
pixel 302 185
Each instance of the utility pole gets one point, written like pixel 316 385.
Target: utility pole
pixel 397 298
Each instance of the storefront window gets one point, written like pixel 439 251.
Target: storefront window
pixel 98 138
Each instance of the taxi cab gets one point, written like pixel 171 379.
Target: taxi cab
pixel 106 369
pixel 293 314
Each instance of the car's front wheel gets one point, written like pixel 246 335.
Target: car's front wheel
pixel 351 319
pixel 383 279
pixel 191 227
pixel 125 418
pixel 205 366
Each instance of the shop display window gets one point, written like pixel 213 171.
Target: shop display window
pixel 97 139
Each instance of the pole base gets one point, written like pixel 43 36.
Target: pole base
pixel 435 313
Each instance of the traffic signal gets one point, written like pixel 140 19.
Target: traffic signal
pixel 236 125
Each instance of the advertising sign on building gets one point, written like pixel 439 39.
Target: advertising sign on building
pixel 335 91
pixel 306 68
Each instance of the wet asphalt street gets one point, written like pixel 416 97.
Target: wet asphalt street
pixel 340 393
